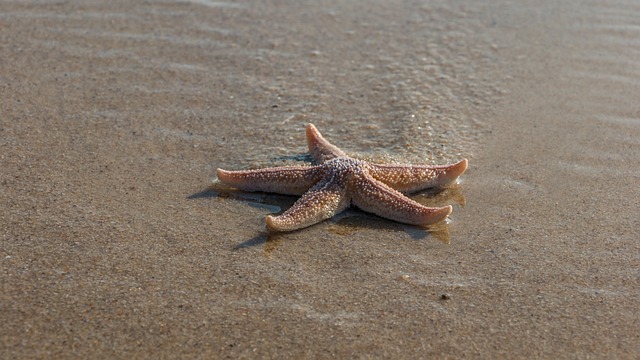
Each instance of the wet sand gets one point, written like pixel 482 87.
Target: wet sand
pixel 114 117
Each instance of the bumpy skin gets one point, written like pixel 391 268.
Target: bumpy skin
pixel 339 181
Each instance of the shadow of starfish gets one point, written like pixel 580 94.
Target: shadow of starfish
pixel 346 223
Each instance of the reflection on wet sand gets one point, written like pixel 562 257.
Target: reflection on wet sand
pixel 343 224
pixel 348 225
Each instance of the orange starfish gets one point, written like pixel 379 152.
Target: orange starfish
pixel 339 181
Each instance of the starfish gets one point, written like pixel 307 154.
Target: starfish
pixel 338 181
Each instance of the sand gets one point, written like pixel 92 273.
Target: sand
pixel 114 116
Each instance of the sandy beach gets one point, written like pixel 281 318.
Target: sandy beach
pixel 115 115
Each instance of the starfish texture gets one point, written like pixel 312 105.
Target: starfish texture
pixel 339 181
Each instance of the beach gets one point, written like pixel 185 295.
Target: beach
pixel 114 117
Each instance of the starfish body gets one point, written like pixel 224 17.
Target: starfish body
pixel 339 181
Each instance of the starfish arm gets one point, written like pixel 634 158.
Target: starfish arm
pixel 321 202
pixel 374 196
pixel 288 180
pixel 410 178
pixel 319 148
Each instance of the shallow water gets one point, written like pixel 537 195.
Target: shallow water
pixel 115 115
pixel 398 81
